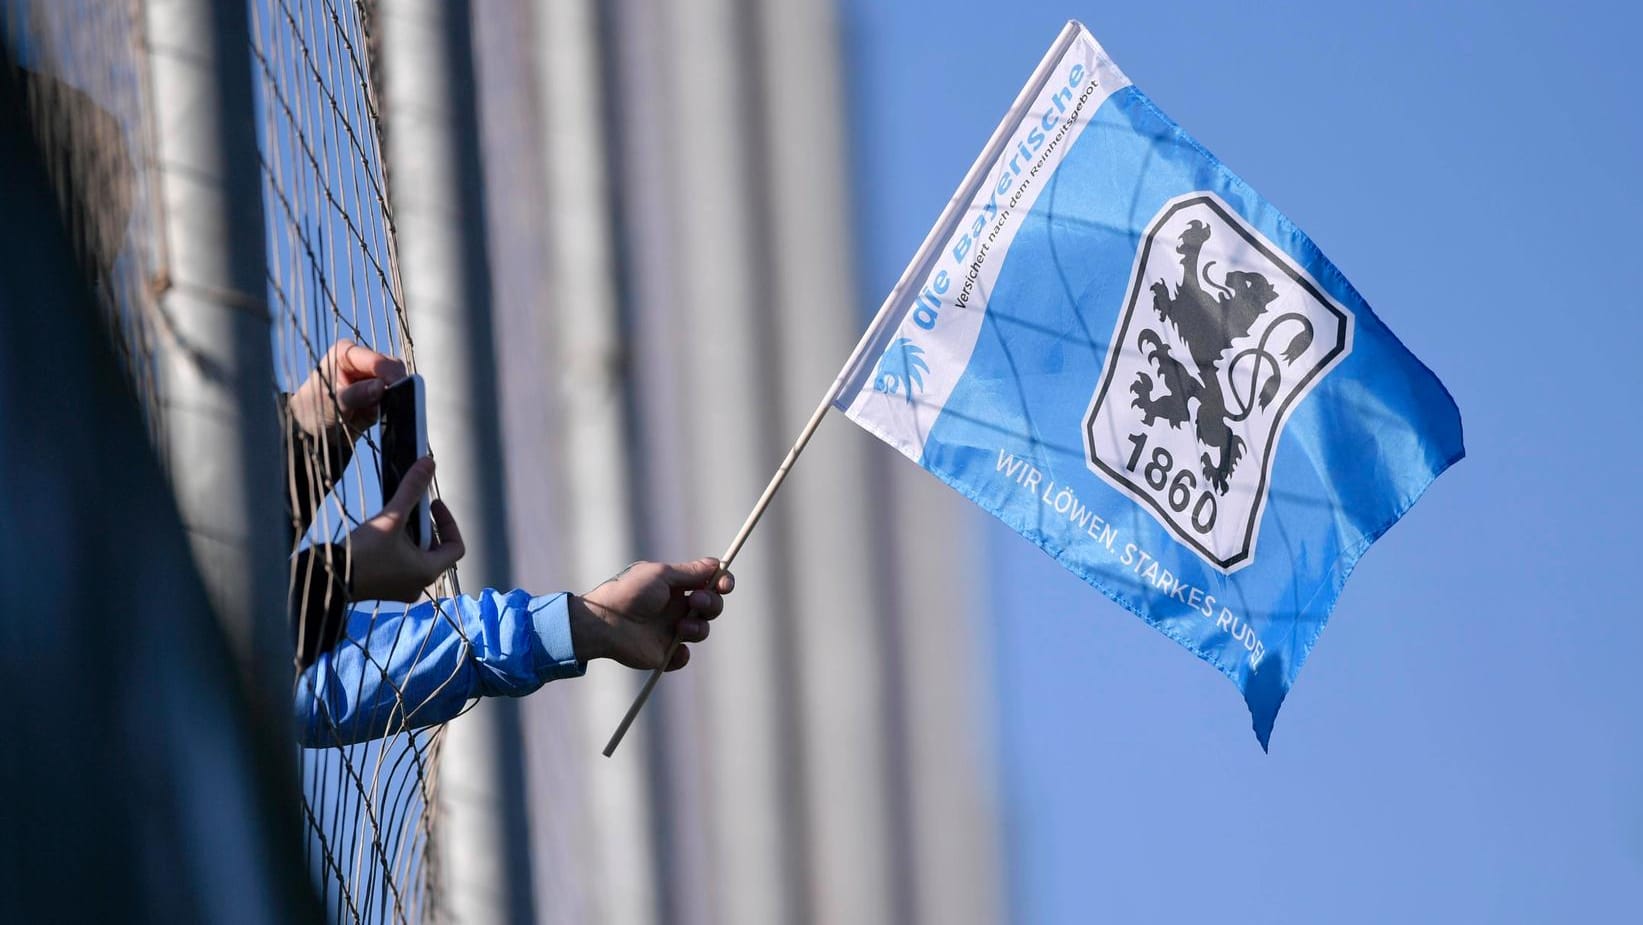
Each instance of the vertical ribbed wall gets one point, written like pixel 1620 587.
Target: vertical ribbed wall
pixel 437 181
pixel 586 352
pixel 675 293
pixel 838 620
pixel 727 383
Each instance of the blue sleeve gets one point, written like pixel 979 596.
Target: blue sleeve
pixel 404 669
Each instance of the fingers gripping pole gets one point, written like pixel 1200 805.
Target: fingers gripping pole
pixel 724 563
pixel 897 298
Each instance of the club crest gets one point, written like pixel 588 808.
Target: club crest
pixel 1221 336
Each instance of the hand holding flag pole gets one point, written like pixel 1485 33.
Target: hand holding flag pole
pixel 872 341
pixel 847 374
pixel 725 560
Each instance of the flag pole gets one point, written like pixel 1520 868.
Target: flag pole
pixel 846 374
pixel 725 560
pixel 923 261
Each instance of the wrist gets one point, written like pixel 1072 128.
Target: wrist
pixel 588 633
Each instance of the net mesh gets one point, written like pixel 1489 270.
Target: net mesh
pixel 333 278
pixel 82 69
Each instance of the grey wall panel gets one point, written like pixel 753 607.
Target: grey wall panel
pixel 755 833
pixel 436 182
pixel 839 619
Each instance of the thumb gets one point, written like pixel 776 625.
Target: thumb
pixel 361 396
pixel 690 575
pixel 411 489
pixel 451 548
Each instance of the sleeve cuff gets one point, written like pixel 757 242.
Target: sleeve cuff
pixel 551 617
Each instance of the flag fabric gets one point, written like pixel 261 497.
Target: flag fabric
pixel 1114 345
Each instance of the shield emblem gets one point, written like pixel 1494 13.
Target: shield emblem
pixel 1221 337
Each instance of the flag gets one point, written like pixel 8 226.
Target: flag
pixel 1117 347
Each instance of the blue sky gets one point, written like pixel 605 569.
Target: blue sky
pixel 1466 741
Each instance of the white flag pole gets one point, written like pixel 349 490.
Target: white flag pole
pixel 753 518
pixel 728 557
pixel 923 260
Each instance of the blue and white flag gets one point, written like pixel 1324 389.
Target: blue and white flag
pixel 1118 348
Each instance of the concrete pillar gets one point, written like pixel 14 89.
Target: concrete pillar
pixel 836 602
pixel 587 353
pixel 726 373
pixel 216 376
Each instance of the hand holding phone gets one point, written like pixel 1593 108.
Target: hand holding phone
pixel 404 441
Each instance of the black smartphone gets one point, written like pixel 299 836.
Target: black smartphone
pixel 404 441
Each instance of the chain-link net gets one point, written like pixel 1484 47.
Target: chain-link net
pixel 333 281
pixel 82 69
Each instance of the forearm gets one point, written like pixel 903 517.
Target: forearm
pixel 318 599
pixel 398 670
pixel 312 468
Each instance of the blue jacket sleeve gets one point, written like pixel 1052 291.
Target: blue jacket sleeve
pixel 404 669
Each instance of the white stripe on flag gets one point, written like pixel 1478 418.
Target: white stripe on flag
pixel 938 306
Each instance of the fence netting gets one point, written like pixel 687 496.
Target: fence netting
pixel 83 70
pixel 333 280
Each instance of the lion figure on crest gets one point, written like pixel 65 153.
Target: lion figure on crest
pixel 1208 324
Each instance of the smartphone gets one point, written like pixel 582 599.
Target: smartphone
pixel 404 441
